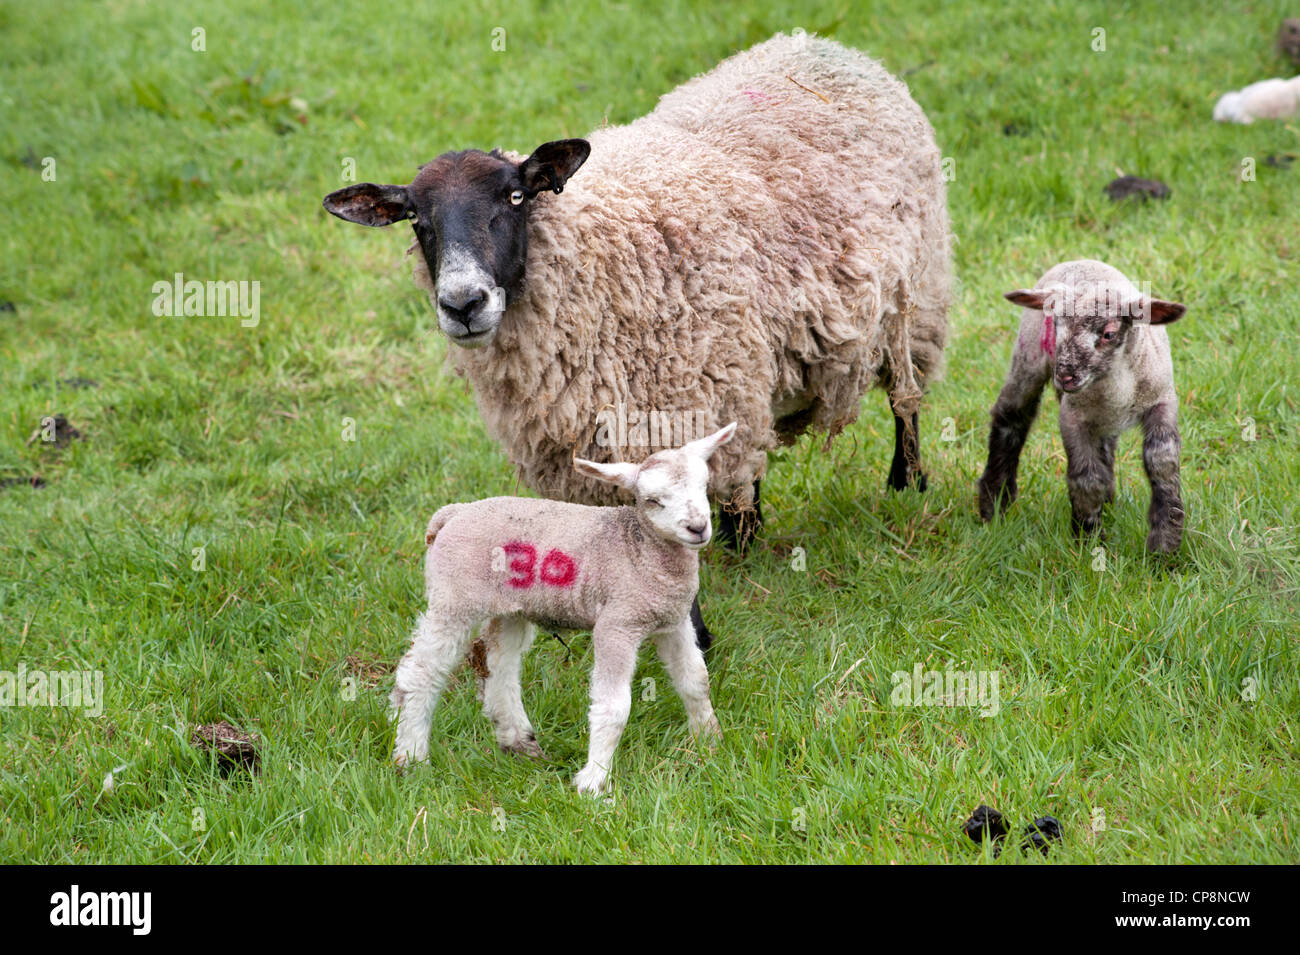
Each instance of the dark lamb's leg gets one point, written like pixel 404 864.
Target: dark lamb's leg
pixel 1013 416
pixel 906 468
pixel 1089 478
pixel 703 636
pixel 1107 452
pixel 1161 446
pixel 736 528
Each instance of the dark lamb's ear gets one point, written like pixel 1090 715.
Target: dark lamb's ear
pixel 551 165
pixel 368 204
pixel 1029 298
pixel 1162 312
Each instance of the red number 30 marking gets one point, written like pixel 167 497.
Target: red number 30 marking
pixel 558 568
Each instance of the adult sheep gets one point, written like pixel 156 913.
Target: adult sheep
pixel 766 245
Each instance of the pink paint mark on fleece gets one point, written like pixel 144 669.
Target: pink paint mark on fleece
pixel 558 568
pixel 1048 342
pixel 756 95
pixel 525 556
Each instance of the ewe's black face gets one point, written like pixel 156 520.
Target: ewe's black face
pixel 1086 327
pixel 470 214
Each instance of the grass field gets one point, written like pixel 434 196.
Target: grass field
pixel 1153 709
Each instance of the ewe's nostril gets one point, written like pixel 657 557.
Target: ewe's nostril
pixel 463 306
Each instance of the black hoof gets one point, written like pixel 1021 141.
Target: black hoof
pixel 901 480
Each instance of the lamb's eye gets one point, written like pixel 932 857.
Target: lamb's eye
pixel 1108 335
pixel 654 502
pixel 516 197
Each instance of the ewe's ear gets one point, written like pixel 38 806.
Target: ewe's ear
pixel 369 204
pixel 704 447
pixel 551 165
pixel 620 475
pixel 1028 297
pixel 1159 312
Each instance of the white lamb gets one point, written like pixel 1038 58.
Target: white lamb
pixel 625 573
pixel 1267 99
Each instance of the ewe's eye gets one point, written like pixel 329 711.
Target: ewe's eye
pixel 516 197
pixel 1108 335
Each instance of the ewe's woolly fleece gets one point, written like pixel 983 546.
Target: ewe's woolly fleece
pixel 773 235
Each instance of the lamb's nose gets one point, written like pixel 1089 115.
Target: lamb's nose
pixel 699 530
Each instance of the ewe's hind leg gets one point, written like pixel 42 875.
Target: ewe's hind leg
pixel 611 702
pixel 1013 415
pixel 906 467
pixel 1161 445
pixel 507 639
pixel 685 665
pixel 737 526
pixel 436 651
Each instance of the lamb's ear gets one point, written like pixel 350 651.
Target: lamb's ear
pixel 705 446
pixel 1028 297
pixel 369 204
pixel 551 165
pixel 1159 312
pixel 621 475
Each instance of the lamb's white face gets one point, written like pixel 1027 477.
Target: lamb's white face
pixel 672 491
pixel 671 487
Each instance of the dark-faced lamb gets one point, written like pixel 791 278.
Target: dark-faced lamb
pixel 626 573
pixel 1102 343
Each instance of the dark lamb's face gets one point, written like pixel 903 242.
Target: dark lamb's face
pixel 470 214
pixel 1087 349
pixel 1091 327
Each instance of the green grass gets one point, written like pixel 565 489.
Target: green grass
pixel 1121 688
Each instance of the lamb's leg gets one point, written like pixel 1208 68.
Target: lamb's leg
pixel 1161 446
pixel 611 702
pixel 737 526
pixel 685 665
pixel 508 638
pixel 1013 415
pixel 1107 452
pixel 1088 477
pixel 703 635
pixel 437 649
pixel 906 467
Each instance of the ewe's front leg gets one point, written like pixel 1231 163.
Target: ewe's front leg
pixel 1161 446
pixel 703 635
pixel 437 649
pixel 685 665
pixel 1089 479
pixel 611 702
pixel 507 639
